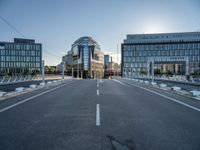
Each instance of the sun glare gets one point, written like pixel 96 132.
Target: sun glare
pixel 155 28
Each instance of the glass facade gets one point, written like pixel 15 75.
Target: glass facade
pixel 23 57
pixel 87 59
pixel 138 51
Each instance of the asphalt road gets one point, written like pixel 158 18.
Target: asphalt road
pixel 99 115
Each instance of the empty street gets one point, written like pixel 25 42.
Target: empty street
pixel 100 115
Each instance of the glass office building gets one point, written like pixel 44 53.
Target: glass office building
pixel 85 59
pixel 21 57
pixel 178 53
pixel 107 59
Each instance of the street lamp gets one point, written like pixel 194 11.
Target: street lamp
pixel 43 71
pixel 152 70
pixel 63 71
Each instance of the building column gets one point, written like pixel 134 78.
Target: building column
pixel 187 67
pixel 148 68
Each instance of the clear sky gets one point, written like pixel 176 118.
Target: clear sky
pixel 58 23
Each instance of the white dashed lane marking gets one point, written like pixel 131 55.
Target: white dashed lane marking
pixel 98 115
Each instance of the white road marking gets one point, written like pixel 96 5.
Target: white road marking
pixel 97 85
pixel 30 98
pixel 98 115
pixel 97 91
pixel 120 82
pixel 172 99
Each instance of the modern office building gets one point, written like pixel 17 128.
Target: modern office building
pixel 177 53
pixel 111 68
pixel 107 59
pixel 108 66
pixel 21 57
pixel 85 59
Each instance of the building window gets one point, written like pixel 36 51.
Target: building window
pixel 17 46
pixel 191 52
pixel 37 47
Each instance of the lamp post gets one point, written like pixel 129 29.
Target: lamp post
pixel 72 72
pixel 63 71
pixel 43 71
pixel 152 70
pixel 117 60
pixel 77 69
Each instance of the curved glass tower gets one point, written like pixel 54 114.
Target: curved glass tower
pixel 87 58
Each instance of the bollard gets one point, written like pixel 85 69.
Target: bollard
pixel 33 86
pixel 54 81
pixel 176 88
pixel 162 85
pixel 195 93
pixel 2 94
pixel 19 89
pixel 42 84
pixel 49 82
pixel 153 83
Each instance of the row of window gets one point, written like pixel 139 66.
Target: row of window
pixel 144 59
pixel 144 65
pixel 20 52
pixel 163 53
pixel 187 46
pixel 135 65
pixel 19 64
pixel 19 70
pixel 21 46
pixel 21 58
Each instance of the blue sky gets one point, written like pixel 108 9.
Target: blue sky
pixel 58 23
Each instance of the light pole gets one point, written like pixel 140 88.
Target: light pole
pixel 43 71
pixel 152 70
pixel 77 69
pixel 117 60
pixel 72 72
pixel 63 71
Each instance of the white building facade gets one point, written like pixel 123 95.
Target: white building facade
pixel 175 52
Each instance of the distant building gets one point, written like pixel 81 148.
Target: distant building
pixel 175 53
pixel 110 67
pixel 59 68
pixel 67 61
pixel 85 59
pixel 21 57
pixel 107 59
pixel 50 70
